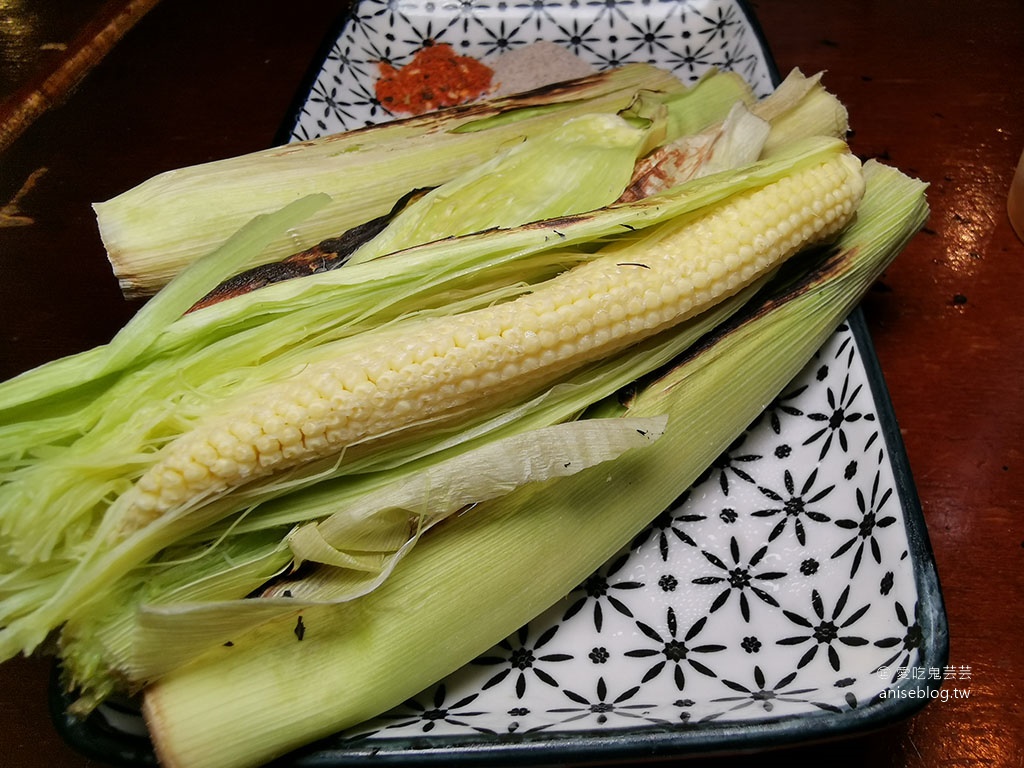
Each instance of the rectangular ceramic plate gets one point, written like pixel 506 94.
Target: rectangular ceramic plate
pixel 789 595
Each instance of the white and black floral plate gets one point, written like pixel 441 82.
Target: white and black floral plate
pixel 789 595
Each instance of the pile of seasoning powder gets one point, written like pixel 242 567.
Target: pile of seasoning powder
pixel 438 77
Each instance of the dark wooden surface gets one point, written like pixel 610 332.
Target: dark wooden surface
pixel 934 87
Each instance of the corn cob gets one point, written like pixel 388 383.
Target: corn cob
pixel 444 366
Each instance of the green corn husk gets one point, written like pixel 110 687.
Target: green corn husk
pixel 474 581
pixel 98 646
pixel 58 575
pixel 156 228
pixel 596 154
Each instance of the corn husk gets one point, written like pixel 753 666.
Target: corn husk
pixel 474 582
pixel 153 230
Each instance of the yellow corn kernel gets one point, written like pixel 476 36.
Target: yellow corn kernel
pixel 448 365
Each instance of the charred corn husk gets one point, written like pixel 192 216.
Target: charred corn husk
pixel 153 230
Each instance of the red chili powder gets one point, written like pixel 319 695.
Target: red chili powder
pixel 436 77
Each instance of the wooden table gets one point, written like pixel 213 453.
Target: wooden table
pixel 935 88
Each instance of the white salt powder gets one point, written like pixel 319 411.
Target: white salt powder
pixel 532 66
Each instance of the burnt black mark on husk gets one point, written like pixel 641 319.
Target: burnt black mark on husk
pixel 332 253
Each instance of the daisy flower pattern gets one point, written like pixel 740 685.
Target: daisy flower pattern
pixel 778 584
